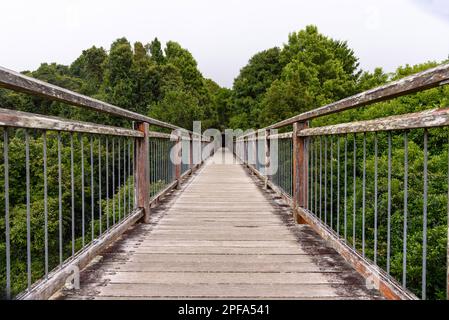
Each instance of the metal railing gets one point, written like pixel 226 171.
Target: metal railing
pixel 369 186
pixel 71 187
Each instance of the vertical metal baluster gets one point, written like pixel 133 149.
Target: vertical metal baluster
pixel 310 167
pixel 447 213
pixel 279 167
pixel 151 173
pixel 107 183
pixel 304 174
pixel 28 209
pixel 99 188
pixel 389 205
pixel 285 173
pixel 275 174
pixel 124 179
pixel 325 180
pixel 424 232
pixel 338 186
pixel 113 181
pixel 332 182
pixel 404 249
pixel 363 194
pixel 164 156
pixel 44 141
pixel 310 189
pixel 346 189
pixel 279 183
pixel 7 226
pixel 375 196
pixel 290 171
pixel 156 165
pixel 321 169
pixel 282 164
pixel 82 193
pixel 316 179
pixel 282 177
pixel 354 192
pixel 72 190
pixel 92 191
pixel 60 199
pixel 447 259
pixel 129 177
pixel 119 184
pixel 133 173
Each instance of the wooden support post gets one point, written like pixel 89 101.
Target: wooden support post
pixel 142 171
pixel 245 142
pixel 267 157
pixel 192 165
pixel 299 169
pixel 178 162
pixel 255 150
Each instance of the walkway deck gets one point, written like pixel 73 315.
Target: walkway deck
pixel 221 236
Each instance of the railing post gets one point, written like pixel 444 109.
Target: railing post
pixel 267 155
pixel 178 161
pixel 255 151
pixel 192 165
pixel 299 168
pixel 244 150
pixel 142 171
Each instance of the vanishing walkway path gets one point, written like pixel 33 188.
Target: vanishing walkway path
pixel 221 236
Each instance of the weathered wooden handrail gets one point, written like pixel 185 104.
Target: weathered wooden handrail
pixel 415 83
pixel 21 83
pixel 19 119
pixel 424 119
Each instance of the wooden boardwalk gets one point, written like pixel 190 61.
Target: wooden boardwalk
pixel 220 236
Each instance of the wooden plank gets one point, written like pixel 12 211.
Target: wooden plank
pixel 288 243
pixel 215 258
pixel 19 119
pixel 158 266
pixel 229 290
pixel 238 236
pixel 418 82
pixel 217 249
pixel 424 119
pixel 225 277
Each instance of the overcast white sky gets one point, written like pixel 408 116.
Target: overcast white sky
pixel 222 34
